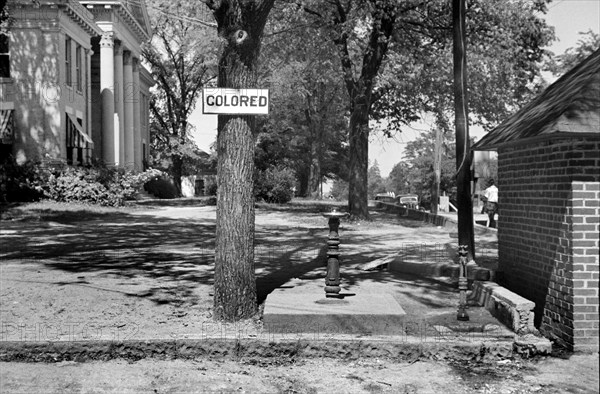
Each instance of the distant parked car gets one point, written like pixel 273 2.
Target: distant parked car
pixel 385 197
pixel 408 201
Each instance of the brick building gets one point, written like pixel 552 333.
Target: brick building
pixel 72 87
pixel 549 198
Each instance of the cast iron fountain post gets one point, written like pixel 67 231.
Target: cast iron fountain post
pixel 462 283
pixel 332 279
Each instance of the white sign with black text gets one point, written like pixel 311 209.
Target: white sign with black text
pixel 235 101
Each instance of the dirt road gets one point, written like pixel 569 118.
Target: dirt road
pixel 579 374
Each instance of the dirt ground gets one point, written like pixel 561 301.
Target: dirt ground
pixel 147 272
pixel 71 273
pixel 579 374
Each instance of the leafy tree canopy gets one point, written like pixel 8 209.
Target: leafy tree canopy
pixel 588 43
pixel 183 58
pixel 505 41
pixel 306 128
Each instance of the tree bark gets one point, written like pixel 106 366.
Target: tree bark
pixel 359 159
pixel 235 282
pixel 463 153
pixel 241 24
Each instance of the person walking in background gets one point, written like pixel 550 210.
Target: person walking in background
pixel 491 204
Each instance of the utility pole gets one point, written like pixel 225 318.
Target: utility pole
pixel 463 154
pixel 437 171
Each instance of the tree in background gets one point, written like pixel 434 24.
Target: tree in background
pixel 361 32
pixel 183 58
pixel 415 174
pixel 377 184
pixel 505 42
pixel 504 50
pixel 308 100
pixel 588 43
pixel 399 179
pixel 396 63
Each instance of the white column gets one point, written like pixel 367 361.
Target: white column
pixel 137 132
pixel 128 109
pixel 119 121
pixel 107 82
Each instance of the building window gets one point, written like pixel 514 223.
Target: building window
pixel 78 69
pixel 79 150
pixel 4 57
pixel 68 62
pixel 6 126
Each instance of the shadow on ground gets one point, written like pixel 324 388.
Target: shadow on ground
pixel 174 253
pixel 178 254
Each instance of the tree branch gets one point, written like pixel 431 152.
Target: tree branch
pixel 382 27
pixel 341 42
pixel 157 115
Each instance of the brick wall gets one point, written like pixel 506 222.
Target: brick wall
pixel 548 234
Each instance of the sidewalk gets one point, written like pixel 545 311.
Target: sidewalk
pixel 480 219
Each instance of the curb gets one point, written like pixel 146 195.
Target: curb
pixel 408 348
pixel 436 220
pixel 238 348
pixel 432 270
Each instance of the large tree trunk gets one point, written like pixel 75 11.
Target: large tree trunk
pixel 359 160
pixel 235 282
pixel 241 24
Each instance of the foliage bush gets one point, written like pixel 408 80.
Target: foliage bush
pixel 275 185
pixel 20 182
pixel 94 185
pixel 162 187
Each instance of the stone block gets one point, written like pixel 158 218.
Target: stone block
pixel 514 311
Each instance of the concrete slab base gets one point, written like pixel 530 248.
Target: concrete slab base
pixel 303 308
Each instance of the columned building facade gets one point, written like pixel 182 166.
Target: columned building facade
pixel 77 91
